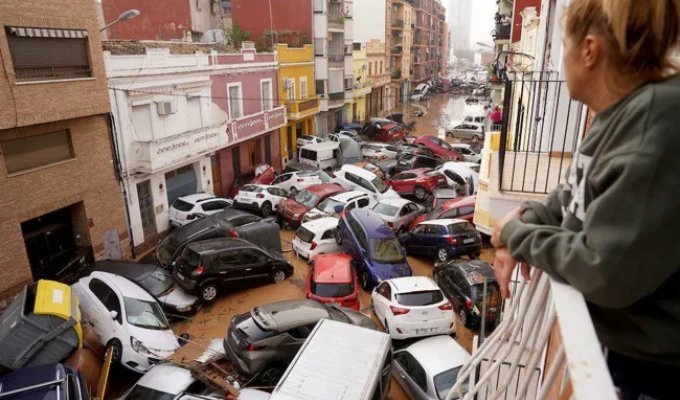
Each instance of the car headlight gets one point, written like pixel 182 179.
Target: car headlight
pixel 184 308
pixel 138 346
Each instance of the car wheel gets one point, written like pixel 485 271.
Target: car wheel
pixel 293 190
pixel 271 375
pixel 366 281
pixel 209 292
pixel 338 237
pixel 442 254
pixel 266 209
pixel 463 317
pixel 420 192
pixel 475 139
pixel 116 350
pixel 279 276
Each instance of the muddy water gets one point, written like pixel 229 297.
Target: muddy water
pixel 440 110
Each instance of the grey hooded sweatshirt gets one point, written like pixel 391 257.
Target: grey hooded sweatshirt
pixel 612 231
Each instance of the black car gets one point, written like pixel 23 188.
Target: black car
pixel 210 266
pixel 157 281
pixel 462 281
pixel 409 161
pixel 225 224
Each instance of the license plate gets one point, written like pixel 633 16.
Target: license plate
pixel 423 331
pixel 180 276
pixel 470 240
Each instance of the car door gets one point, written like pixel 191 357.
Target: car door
pixel 448 280
pixel 403 182
pixel 255 265
pixel 211 207
pixel 414 244
pixel 283 181
pixel 327 243
pixel 277 196
pixel 433 239
pixel 227 268
pixel 381 300
pixel 411 375
pixel 105 301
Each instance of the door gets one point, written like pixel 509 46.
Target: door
pixel 104 301
pixel 180 182
pixel 255 265
pixel 227 267
pixel 402 182
pixel 415 241
pixel 382 300
pixel 216 174
pixel 433 239
pixel 146 210
pixel 327 243
pixel 411 374
pixel 268 149
pixel 283 181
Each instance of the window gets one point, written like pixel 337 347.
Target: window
pixel 385 290
pixel 435 230
pixel 236 160
pixel 290 89
pixel 226 7
pixel 266 94
pixel 48 54
pixel 194 113
pixel 380 71
pixel 235 101
pixel 404 176
pixel 36 151
pixel 72 387
pixel 318 6
pixel 320 89
pixel 141 122
pixel 329 234
pixel 348 83
pixel 356 46
pixel 268 149
pixel 413 369
pixel 303 87
pixel 214 205
pixel 466 210
pixel 319 46
pixel 370 68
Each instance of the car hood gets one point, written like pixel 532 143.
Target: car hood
pixel 359 319
pixel 293 207
pixel 389 193
pixel 177 297
pixel 389 271
pixel 161 343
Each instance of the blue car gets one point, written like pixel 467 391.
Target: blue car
pixel 373 246
pixel 443 239
pixel 50 381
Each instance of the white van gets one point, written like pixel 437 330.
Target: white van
pixel 321 155
pixel 352 177
pixel 341 362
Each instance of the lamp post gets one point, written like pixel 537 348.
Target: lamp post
pixel 124 16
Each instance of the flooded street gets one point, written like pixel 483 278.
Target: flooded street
pixel 440 110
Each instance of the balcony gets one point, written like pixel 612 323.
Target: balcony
pixel 397 49
pixel 503 32
pixel 396 73
pixel 336 99
pixel 361 88
pixel 398 24
pixel 336 23
pixel 298 109
pixel 336 60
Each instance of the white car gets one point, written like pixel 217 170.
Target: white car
pixel 264 199
pixel 428 368
pixel 303 140
pixel 467 153
pixel 342 201
pixel 192 207
pixel 460 173
pixel 471 131
pixel 127 320
pixel 398 213
pixel 316 237
pixel 352 177
pixel 293 182
pixel 412 306
pixel 378 150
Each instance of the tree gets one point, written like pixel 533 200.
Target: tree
pixel 238 35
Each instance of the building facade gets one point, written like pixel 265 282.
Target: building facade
pixel 60 194
pixel 290 19
pixel 379 76
pixel 297 93
pixel 400 38
pixel 362 85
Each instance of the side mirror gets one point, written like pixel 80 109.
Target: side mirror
pixel 338 209
pixel 114 314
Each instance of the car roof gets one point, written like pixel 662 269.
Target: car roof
pixel 321 224
pixel 209 245
pixel 360 172
pixel 345 197
pixel 474 270
pixel 321 146
pixel 130 270
pixel 395 201
pixel 333 268
pixel 438 354
pixel 372 224
pixel 36 375
pixel 284 315
pixel 443 222
pixel 167 378
pixel 124 285
pixel 445 193
pixel 324 189
pixel 459 202
pixel 409 284
pixel 196 198
pixel 459 167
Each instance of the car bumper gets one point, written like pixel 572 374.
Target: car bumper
pixel 253 206
pixel 141 362
pixel 401 329
pixel 186 283
pixel 244 367
pixel 290 221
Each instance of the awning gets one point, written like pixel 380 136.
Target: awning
pixel 48 32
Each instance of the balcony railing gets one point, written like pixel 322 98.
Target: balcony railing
pixel 396 73
pixel 503 31
pixel 336 60
pixel 546 324
pixel 398 24
pixel 296 107
pixel 336 96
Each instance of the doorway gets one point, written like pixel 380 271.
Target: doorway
pixel 146 210
pixel 180 182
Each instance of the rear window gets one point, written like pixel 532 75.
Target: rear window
pixel 331 289
pixel 191 258
pixel 461 228
pixel 251 188
pixel 423 298
pixel 247 328
pixel 182 205
pixel 386 209
pixel 305 234
pixel 307 198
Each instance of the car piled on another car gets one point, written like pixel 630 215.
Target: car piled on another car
pixel 292 210
pixel 264 199
pixel 443 239
pixel 332 278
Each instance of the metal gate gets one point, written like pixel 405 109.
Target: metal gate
pixel 146 211
pixel 180 182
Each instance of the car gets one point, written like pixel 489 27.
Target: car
pixel 440 147
pixel 369 166
pixel 47 381
pixel 419 182
pixel 409 161
pixel 388 133
pixel 421 92
pixel 263 174
pixel 339 136
pixel 398 213
pixel 325 156
pixel 316 237
pixel 225 224
pixel 442 195
pixel 443 239
pixel 334 205
pixel 186 209
pixel 412 306
pixel 303 140
pixel 158 282
pixel 459 208
pixel 352 177
pixel 293 182
pixel 472 131
pixel 461 174
pixel 428 368
pixel 462 281
pixel 127 319
pixel 294 166
pixel 208 267
pixel 332 278
pixel 264 199
pixel 378 150
pixel 292 210
pixel 468 154
pixel 265 340
pixel 473 166
pixel 170 381
pixel 373 246
pixel 415 149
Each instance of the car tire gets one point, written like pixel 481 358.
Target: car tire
pixel 279 276
pixel 271 375
pixel 338 237
pixel 442 254
pixel 266 209
pixel 420 193
pixel 293 190
pixel 116 348
pixel 365 281
pixel 463 317
pixel 209 292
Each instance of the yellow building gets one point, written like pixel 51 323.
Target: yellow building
pixel 362 85
pixel 297 93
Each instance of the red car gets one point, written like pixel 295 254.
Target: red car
pixel 332 279
pixel 265 176
pixel 460 208
pixel 440 147
pixel 419 182
pixel 390 133
pixel 292 210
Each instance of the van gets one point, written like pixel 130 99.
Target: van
pixel 338 361
pixel 321 155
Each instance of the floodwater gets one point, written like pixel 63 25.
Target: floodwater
pixel 440 110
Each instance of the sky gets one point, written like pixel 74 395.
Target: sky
pixel 483 12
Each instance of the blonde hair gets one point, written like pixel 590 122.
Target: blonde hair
pixel 641 35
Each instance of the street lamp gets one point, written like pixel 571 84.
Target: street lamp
pixel 124 16
pixel 485 45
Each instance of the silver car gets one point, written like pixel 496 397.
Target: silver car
pixel 471 131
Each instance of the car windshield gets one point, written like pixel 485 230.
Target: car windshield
pixel 379 184
pixel 182 205
pixel 307 198
pixel 251 188
pixel 191 258
pixel 445 381
pixel 331 289
pixel 461 228
pixel 165 250
pixel 421 298
pixel 386 209
pixel 145 314
pixel 328 206
pixel 145 393
pixel 324 177
pixel 304 234
pixel 157 282
pixel 446 145
pixel 435 213
pixel 386 250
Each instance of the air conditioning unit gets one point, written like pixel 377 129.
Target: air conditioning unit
pixel 166 107
pixel 288 83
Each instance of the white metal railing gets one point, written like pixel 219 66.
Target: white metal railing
pixel 509 363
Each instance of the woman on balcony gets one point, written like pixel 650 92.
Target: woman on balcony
pixel 611 231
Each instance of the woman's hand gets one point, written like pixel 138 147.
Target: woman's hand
pixel 496 235
pixel 504 264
